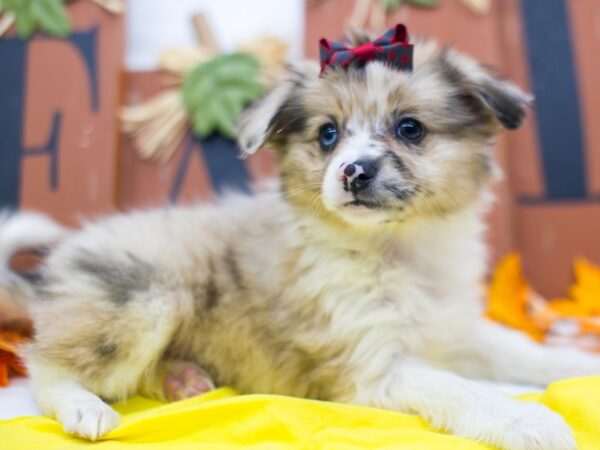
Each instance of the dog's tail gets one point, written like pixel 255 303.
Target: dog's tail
pixel 19 231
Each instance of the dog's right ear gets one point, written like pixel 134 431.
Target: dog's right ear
pixel 263 120
pixel 483 90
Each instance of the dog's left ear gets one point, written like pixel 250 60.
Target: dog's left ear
pixel 485 90
pixel 262 121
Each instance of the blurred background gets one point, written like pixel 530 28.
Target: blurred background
pixel 108 105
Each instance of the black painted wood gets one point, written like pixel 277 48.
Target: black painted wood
pixel 559 123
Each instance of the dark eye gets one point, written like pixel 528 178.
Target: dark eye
pixel 328 136
pixel 410 130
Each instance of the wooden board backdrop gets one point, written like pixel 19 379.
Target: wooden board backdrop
pixel 61 152
pixel 58 126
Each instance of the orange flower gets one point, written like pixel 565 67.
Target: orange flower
pixel 9 359
pixel 508 297
pixel 584 294
pixel 565 307
pixel 586 290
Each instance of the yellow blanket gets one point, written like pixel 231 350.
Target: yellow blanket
pixel 223 420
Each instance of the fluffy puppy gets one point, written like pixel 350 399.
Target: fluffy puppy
pixel 357 282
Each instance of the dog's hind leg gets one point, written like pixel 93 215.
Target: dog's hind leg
pixel 176 379
pixel 90 346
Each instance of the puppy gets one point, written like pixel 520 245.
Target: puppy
pixel 358 281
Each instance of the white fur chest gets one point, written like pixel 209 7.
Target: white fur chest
pixel 388 297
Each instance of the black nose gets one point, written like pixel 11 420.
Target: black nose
pixel 359 174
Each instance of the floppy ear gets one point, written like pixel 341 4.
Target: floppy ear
pixel 260 122
pixel 485 89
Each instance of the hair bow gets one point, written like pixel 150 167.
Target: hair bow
pixel 392 47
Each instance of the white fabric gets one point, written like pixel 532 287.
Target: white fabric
pixel 17 400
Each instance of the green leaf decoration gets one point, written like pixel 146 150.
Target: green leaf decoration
pixel 8 5
pixel 393 4
pixel 425 3
pixel 52 17
pixel 215 92
pixel 49 16
pixel 24 20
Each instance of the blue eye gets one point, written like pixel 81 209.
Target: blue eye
pixel 328 136
pixel 410 129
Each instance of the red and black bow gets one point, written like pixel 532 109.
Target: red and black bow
pixel 392 48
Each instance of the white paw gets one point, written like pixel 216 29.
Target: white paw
pixel 89 419
pixel 535 427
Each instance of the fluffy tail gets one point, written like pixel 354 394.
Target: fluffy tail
pixel 20 231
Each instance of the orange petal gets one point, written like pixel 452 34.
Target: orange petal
pixel 508 294
pixel 3 375
pixel 586 289
pixel 590 325
pixel 18 367
pixel 567 308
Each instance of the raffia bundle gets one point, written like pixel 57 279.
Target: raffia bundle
pixel 159 125
pixel 271 52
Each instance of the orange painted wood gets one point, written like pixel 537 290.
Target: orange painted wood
pixel 149 183
pixel 584 17
pixel 550 235
pixel 88 147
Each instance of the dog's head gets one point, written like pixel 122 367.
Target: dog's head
pixel 373 144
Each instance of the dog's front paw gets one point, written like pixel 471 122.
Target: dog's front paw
pixel 534 427
pixel 89 419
